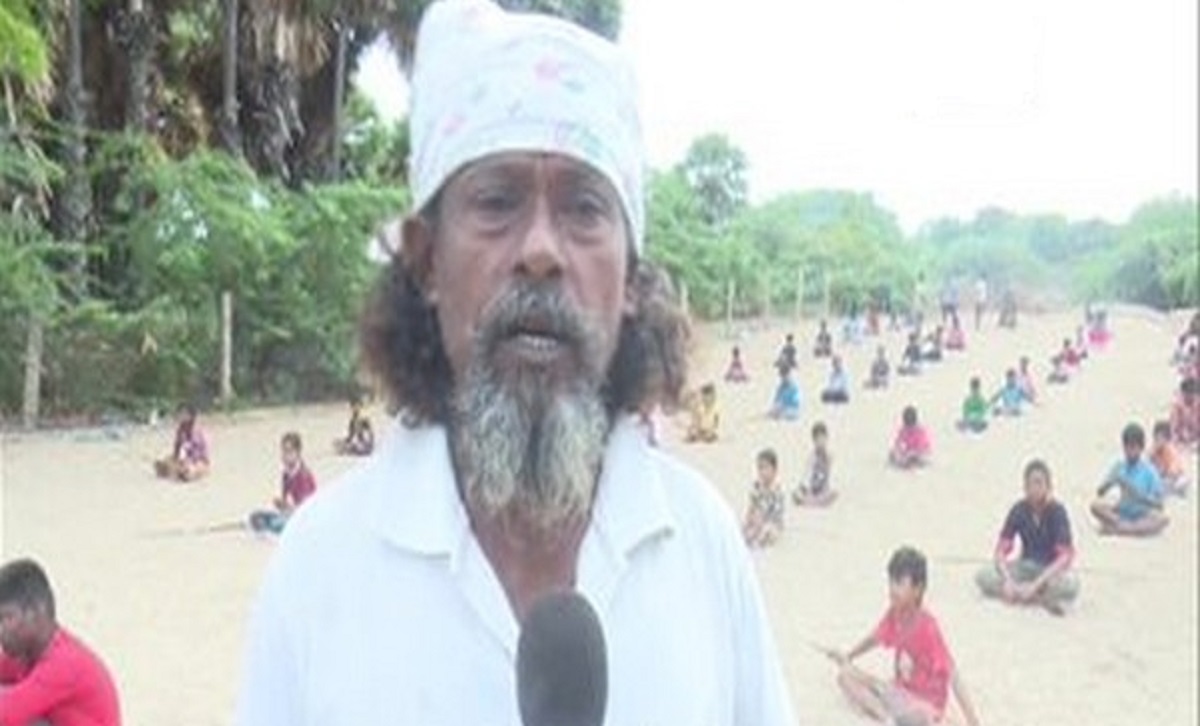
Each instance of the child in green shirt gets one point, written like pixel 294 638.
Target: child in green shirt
pixel 974 409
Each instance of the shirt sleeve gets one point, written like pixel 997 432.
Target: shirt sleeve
pixel 34 697
pixel 1062 533
pixel 1012 524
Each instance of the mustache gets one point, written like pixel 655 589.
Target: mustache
pixel 537 309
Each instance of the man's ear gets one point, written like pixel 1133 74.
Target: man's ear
pixel 416 254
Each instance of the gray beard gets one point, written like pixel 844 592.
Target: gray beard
pixel 529 444
pixel 528 451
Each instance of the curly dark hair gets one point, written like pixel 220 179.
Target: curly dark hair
pixel 402 347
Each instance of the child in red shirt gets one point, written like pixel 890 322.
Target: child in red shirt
pixel 298 485
pixel 912 446
pixel 46 674
pixel 924 671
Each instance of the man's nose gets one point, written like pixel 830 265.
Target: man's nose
pixel 541 254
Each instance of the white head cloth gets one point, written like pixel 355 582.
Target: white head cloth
pixel 486 80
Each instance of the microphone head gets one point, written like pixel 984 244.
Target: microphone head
pixel 562 664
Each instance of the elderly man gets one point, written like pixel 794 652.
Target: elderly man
pixel 516 331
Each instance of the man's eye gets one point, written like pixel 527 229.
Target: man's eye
pixel 588 208
pixel 496 202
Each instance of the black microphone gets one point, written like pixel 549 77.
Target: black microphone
pixel 562 664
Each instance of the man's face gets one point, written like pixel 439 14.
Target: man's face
pixel 16 629
pixel 1037 488
pixel 526 269
pixel 526 219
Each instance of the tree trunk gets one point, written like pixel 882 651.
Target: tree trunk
pixel 339 100
pixel 31 408
pixel 138 42
pixel 226 383
pixel 77 191
pixel 230 133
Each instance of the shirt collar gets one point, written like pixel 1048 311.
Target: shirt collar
pixel 415 504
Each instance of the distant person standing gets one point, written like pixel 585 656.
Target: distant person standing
pixel 949 300
pixel 47 676
pixel 1008 310
pixel 981 300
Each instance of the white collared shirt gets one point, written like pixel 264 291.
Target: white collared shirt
pixel 379 606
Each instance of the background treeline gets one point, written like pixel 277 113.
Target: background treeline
pixel 156 154
pixel 705 232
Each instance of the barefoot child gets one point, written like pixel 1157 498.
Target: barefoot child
pixel 764 517
pixel 1025 380
pixel 297 485
pixel 1059 372
pixel 912 446
pixel 1165 459
pixel 837 390
pixel 1009 399
pixel 1185 414
pixel 706 417
pixel 975 409
pixel 1139 512
pixel 956 339
pixel 932 351
pixel 816 490
pixel 925 673
pixel 787 355
pixel 736 372
pixel 1041 575
pixel 787 401
pixel 880 369
pixel 1072 355
pixel 910 361
pixel 189 454
pixel 360 437
pixel 823 347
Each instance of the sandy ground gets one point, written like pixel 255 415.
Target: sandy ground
pixel 167 609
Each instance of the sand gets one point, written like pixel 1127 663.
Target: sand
pixel 167 608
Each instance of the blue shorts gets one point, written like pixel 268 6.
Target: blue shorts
pixel 267 522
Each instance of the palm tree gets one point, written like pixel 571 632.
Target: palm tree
pixel 75 198
pixel 136 36
pixel 25 184
pixel 229 128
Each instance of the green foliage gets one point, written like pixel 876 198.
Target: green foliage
pixel 716 171
pixel 1156 258
pixel 23 51
pixel 296 262
pixel 374 150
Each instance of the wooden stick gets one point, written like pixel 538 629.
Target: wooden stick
pixel 216 528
